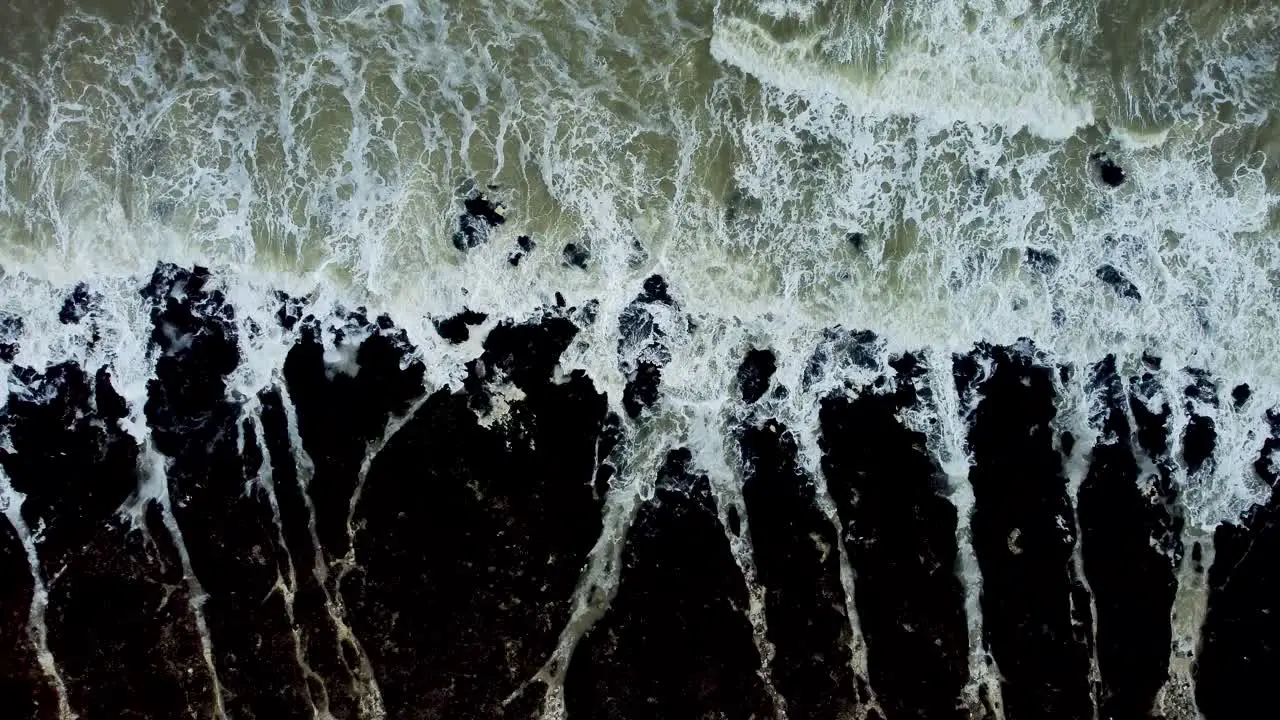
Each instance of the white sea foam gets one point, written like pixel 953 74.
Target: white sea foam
pixel 321 151
pixel 964 78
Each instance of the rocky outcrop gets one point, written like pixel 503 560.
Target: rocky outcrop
pixel 1024 534
pixel 675 642
pixel 346 542
pixel 900 532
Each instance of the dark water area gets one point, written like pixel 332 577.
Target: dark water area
pixel 356 544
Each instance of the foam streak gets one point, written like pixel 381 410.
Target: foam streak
pixel 156 480
pixel 366 685
pixel 949 447
pixel 11 503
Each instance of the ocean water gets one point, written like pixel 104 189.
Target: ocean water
pixel 732 147
pixel 787 167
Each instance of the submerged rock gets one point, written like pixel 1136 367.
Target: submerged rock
pixel 576 255
pixel 78 305
pixel 11 327
pixel 755 372
pixel 526 245
pixel 642 349
pixel 587 314
pixel 842 349
pixel 1041 261
pixel 481 214
pixel 1108 171
pixel 641 390
pixel 1118 282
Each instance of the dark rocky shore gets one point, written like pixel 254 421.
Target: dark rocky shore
pixel 359 546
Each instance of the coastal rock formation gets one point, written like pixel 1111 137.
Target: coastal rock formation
pixel 351 541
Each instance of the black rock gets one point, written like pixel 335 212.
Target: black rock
pixel 454 328
pixel 109 403
pixel 77 466
pixel 482 207
pixel 1152 426
pixel 520 353
pixel 460 631
pixel 1200 436
pixel 79 304
pixel 576 255
pixel 1240 395
pixel 641 390
pixel 316 621
pixel 1123 534
pixel 899 531
pixel 526 243
pixel 1110 173
pixel 482 213
pixel 1118 282
pixel 642 348
pixel 1023 535
pixel 1240 639
pixel 755 372
pixel 339 415
pixel 30 694
pixel 656 290
pixel 1041 261
pixel 59 438
pixel 797 555
pixel 859 348
pixel 291 310
pixel 147 662
pixel 514 259
pixel 857 240
pixel 212 464
pixel 663 653
pixel 1198 441
pixel 529 352
pixel 11 327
